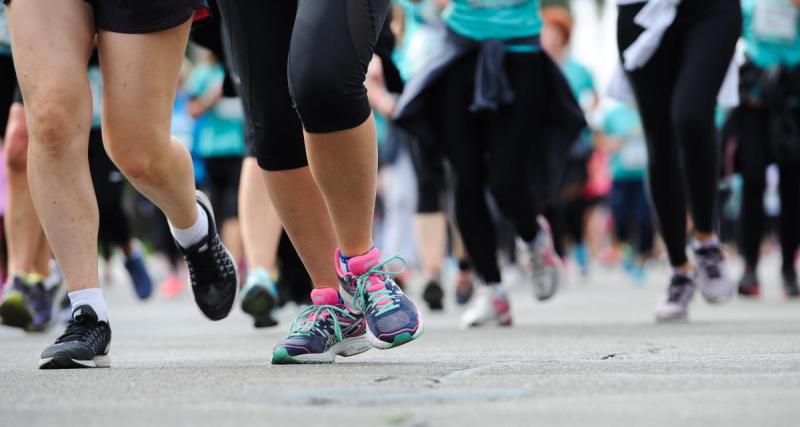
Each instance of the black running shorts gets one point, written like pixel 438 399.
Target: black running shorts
pixel 144 16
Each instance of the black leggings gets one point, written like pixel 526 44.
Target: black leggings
pixel 323 46
pixel 677 94
pixel 109 186
pixel 632 214
pixel 492 150
pixel 753 141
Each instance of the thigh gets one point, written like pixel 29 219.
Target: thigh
pixel 260 33
pixel 653 84
pixel 516 130
pixel 706 51
pixel 52 41
pixel 460 131
pixel 140 78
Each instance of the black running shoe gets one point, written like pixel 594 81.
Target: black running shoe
pixel 790 287
pixel 212 270
pixel 84 344
pixel 434 295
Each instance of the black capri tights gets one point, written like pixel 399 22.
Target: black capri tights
pixel 305 58
pixel 677 94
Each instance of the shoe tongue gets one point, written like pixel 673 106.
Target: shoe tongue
pixel 325 296
pixel 83 312
pixel 359 265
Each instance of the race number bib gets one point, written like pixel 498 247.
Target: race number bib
pixel 776 20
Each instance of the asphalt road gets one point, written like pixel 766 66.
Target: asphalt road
pixel 592 356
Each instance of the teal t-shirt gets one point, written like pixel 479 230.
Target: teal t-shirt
pixel 771 31
pixel 630 161
pixel 580 80
pixel 220 131
pixel 493 19
pixel 5 36
pixel 96 85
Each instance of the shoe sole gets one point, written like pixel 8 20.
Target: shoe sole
pixel 679 318
pixel 347 348
pixel 15 313
pixel 398 340
pixel 259 303
pixel 59 362
pixel 433 295
pixel 203 199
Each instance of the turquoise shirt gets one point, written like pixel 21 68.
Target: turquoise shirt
pixel 493 19
pixel 630 161
pixel 96 85
pixel 580 80
pixel 5 37
pixel 771 31
pixel 218 132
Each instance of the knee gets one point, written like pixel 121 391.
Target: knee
pixel 328 93
pixel 56 120
pixel 133 164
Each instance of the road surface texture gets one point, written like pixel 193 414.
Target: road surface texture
pixel 591 356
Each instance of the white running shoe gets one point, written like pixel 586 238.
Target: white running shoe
pixel 489 306
pixel 675 304
pixel 712 278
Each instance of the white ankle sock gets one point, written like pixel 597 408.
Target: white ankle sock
pixel 186 237
pixel 93 298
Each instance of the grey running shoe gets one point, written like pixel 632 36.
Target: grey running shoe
pixel 540 262
pixel 712 278
pixel 675 304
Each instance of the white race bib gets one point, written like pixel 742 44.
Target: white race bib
pixel 776 20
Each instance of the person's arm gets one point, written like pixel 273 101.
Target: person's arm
pixel 380 98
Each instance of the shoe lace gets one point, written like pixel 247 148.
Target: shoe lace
pixel 365 297
pixel 213 262
pixel 80 329
pixel 314 319
pixel 710 258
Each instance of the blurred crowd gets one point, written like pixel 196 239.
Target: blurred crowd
pixel 600 217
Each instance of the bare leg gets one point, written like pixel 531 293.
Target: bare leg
pixel 431 233
pixel 26 242
pixel 261 228
pixel 350 196
pixel 232 237
pixel 299 203
pixel 56 38
pixel 140 77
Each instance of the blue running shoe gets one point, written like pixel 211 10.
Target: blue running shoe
pixel 28 304
pixel 392 319
pixel 142 282
pixel 322 331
